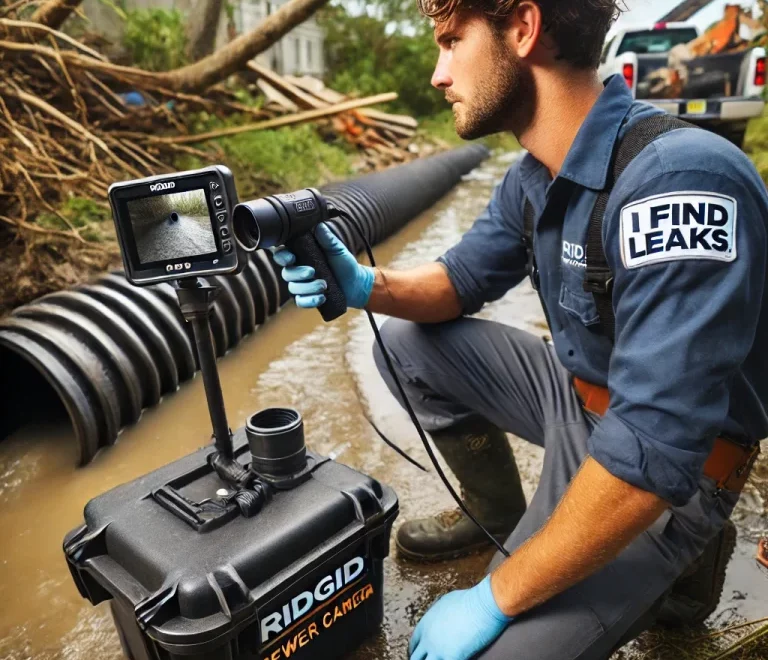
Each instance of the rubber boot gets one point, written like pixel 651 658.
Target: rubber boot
pixel 480 456
pixel 696 593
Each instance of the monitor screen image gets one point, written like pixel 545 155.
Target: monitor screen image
pixel 174 226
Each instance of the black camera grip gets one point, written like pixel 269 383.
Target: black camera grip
pixel 309 253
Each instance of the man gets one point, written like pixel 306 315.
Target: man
pixel 648 430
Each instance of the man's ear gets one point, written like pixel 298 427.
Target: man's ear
pixel 524 28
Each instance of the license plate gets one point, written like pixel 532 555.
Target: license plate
pixel 696 107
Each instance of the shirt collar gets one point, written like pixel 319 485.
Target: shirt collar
pixel 589 157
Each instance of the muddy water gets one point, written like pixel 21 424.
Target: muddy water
pixel 327 372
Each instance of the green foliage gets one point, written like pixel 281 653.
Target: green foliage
pixel 391 48
pixel 294 157
pixel 156 38
pixel 363 58
pixel 285 159
pixel 83 214
pixel 756 144
pixel 229 9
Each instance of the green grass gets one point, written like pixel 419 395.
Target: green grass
pixel 85 215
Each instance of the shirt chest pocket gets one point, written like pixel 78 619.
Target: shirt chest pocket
pixel 577 302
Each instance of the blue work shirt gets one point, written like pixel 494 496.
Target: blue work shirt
pixel 684 234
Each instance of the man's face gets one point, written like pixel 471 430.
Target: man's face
pixel 490 87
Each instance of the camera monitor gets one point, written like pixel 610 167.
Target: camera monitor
pixel 177 225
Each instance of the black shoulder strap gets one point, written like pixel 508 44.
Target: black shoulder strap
pixel 599 279
pixel 528 218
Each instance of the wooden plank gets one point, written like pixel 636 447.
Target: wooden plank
pixel 287 120
pixel 400 120
pixel 316 88
pixel 393 128
pixel 302 99
pixel 275 96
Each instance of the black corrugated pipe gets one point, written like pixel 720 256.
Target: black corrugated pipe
pixel 107 350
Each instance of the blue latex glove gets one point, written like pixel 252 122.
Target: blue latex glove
pixel 459 625
pixel 355 280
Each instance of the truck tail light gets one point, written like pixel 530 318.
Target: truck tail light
pixel 628 71
pixel 760 71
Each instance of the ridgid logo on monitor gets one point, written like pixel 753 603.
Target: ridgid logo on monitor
pixel 303 606
pixel 162 186
pixel 684 225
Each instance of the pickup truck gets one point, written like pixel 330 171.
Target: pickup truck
pixel 722 91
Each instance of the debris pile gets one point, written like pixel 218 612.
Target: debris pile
pixel 72 122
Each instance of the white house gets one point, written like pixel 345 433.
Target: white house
pixel 298 52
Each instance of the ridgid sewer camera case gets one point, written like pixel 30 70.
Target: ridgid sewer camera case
pixel 190 578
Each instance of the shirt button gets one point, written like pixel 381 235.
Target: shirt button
pixel 570 353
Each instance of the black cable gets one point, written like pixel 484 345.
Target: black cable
pixel 411 413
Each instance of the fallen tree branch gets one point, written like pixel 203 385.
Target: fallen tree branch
pixel 27 25
pixel 39 230
pixel 70 123
pixel 54 12
pixel 125 73
pixel 279 121
pixel 234 56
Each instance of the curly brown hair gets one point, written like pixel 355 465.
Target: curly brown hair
pixel 578 27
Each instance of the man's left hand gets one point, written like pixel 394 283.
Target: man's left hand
pixel 459 625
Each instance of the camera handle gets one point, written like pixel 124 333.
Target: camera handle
pixel 196 300
pixel 309 253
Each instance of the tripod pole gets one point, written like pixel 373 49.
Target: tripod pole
pixel 196 301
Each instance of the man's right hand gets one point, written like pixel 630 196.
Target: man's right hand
pixel 355 280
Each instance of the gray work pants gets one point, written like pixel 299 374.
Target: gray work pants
pixel 451 371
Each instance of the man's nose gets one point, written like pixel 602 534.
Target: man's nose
pixel 441 78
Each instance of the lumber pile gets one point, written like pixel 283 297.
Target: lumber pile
pixel 383 137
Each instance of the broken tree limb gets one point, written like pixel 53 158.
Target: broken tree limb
pixel 70 123
pixel 117 71
pixel 280 121
pixel 231 58
pixel 54 12
pixel 204 73
pixel 24 26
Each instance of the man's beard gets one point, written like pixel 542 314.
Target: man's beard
pixel 503 103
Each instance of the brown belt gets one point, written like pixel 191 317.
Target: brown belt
pixel 728 464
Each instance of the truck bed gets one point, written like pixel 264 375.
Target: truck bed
pixel 715 75
pixel 710 76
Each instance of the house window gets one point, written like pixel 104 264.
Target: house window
pixel 297 63
pixel 309 53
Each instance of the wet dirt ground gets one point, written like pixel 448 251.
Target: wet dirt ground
pixel 327 372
